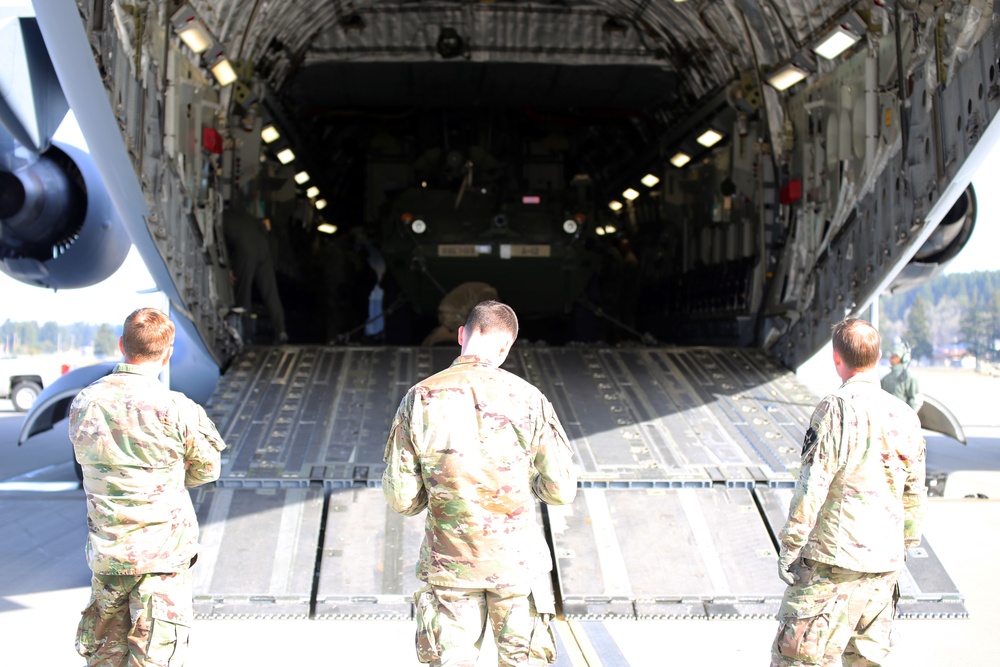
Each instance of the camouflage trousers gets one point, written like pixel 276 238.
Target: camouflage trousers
pixel 833 616
pixel 134 620
pixel 451 624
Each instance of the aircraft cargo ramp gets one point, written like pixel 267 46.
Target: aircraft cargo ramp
pixel 684 458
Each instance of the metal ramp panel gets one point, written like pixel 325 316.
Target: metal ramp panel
pixel 664 553
pixel 643 417
pixel 674 417
pixel 369 557
pixel 688 459
pixel 925 589
pixel 292 415
pixel 258 551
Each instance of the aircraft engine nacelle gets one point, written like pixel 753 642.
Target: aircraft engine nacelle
pixel 944 244
pixel 58 228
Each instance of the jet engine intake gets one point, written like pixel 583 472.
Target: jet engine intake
pixel 57 226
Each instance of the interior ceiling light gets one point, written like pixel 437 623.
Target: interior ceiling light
pixel 709 138
pixel 836 43
pixel 570 226
pixel 327 228
pixel 786 77
pixel 221 68
pixel 270 134
pixel 286 156
pixel 191 30
pixel 615 206
pixel 649 180
pixel 418 226
pixel 302 177
pixel 680 160
pixel 224 72
pixel 320 204
pixel 312 192
pixel 630 194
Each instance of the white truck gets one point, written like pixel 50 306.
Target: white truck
pixel 23 378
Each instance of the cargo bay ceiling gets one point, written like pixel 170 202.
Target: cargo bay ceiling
pixel 327 53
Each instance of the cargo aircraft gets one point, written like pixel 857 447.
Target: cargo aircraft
pixel 679 198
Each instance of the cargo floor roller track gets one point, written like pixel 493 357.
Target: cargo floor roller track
pixel 687 460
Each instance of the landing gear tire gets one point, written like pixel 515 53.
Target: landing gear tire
pixel 23 395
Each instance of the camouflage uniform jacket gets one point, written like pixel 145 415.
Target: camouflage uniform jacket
pixel 140 446
pixel 903 386
pixel 473 443
pixel 861 495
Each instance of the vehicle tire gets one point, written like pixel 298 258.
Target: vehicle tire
pixel 23 395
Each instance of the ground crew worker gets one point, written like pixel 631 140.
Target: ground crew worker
pixel 475 445
pixel 140 445
pixel 899 381
pixel 250 255
pixel 858 506
pixel 454 310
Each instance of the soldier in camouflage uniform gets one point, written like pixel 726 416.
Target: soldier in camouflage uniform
pixel 475 445
pixel 857 508
pixel 899 381
pixel 140 445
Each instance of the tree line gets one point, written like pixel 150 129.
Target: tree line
pixel 956 312
pixel 27 338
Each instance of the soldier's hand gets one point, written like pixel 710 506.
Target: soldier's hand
pixel 785 572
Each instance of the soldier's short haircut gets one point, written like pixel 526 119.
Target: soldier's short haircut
pixel 491 316
pixel 858 343
pixel 147 334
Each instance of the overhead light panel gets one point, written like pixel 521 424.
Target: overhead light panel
pixel 286 156
pixel 327 228
pixel 630 194
pixel 223 70
pixel 615 206
pixel 680 159
pixel 302 177
pixel 709 138
pixel 312 192
pixel 649 180
pixel 191 30
pixel 836 43
pixel 320 204
pixel 786 77
pixel 270 134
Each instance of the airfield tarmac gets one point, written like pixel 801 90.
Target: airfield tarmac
pixel 46 581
